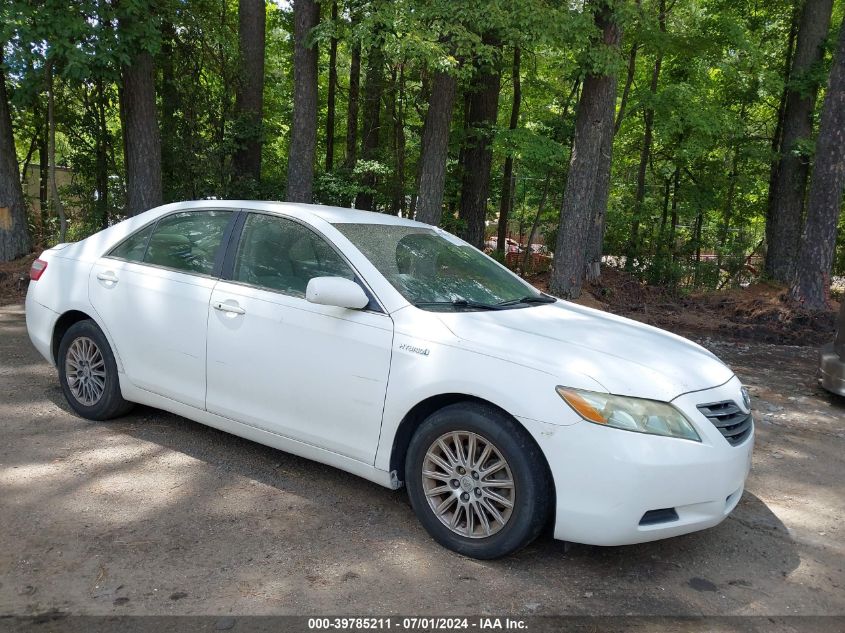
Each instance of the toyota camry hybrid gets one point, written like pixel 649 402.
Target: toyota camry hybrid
pixel 397 352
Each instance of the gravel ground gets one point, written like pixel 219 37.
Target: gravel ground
pixel 154 514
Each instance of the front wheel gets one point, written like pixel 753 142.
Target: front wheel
pixel 88 373
pixel 477 481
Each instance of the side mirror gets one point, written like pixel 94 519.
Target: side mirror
pixel 336 291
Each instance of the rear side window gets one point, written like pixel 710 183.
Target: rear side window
pixel 134 246
pixel 188 241
pixel 283 255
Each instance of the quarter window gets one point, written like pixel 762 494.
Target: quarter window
pixel 134 246
pixel 283 255
pixel 188 241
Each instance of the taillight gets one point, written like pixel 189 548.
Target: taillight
pixel 37 269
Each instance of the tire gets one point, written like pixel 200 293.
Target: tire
pixel 93 393
pixel 477 531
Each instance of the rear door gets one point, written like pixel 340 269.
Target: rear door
pixel 152 293
pixel 313 373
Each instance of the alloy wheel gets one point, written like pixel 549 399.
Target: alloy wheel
pixel 468 484
pixel 85 369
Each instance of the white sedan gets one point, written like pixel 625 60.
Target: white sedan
pixel 397 352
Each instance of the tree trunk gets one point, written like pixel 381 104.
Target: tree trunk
pixel 55 200
pixel 43 178
pixel 332 92
pixel 249 96
pixel 777 135
pixel 699 220
pixel 664 215
pixel 352 106
pixel 676 187
pixel 593 122
pixel 172 174
pixel 142 145
pixel 506 203
pixel 373 91
pixel 633 249
pixel 306 16
pixel 730 199
pixel 812 284
pixel 595 239
pixel 598 222
pixel 526 255
pixel 14 236
pixel 33 145
pixel 435 148
pixel 397 204
pixel 629 80
pixel 423 96
pixel 478 151
pixel 626 91
pixel 223 122
pixel 101 169
pixel 783 229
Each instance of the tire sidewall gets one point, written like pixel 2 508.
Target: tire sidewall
pixel 111 403
pixel 517 447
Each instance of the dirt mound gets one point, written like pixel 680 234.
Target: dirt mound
pixel 14 279
pixel 764 312
pixel 760 312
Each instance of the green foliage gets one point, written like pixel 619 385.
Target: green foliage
pixel 714 112
pixel 337 188
pixel 715 109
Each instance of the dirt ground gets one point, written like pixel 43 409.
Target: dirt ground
pixel 154 514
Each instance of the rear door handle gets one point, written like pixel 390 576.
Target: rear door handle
pixel 108 277
pixel 232 308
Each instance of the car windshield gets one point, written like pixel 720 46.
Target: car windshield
pixel 436 271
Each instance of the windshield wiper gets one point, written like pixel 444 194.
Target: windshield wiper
pixel 460 303
pixel 529 299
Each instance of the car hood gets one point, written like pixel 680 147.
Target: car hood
pixel 574 342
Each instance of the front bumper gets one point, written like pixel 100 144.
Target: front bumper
pixel 607 479
pixel 832 370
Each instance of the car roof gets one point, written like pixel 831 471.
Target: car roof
pixel 333 215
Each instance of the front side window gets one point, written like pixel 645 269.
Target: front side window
pixel 188 241
pixel 283 255
pixel 436 270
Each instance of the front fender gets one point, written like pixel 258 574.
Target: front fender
pixel 421 369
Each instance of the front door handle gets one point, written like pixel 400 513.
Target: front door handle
pixel 231 308
pixel 108 277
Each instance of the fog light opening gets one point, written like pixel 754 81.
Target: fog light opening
pixel 662 515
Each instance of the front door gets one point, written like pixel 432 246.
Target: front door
pixel 312 373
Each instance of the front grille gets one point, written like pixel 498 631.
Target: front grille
pixel 729 419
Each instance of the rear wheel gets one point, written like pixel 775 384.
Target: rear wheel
pixel 88 373
pixel 477 481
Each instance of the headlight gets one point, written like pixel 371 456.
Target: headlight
pixel 746 398
pixel 629 414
